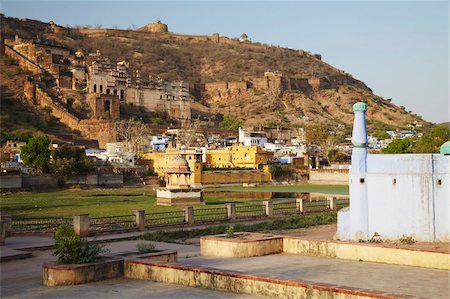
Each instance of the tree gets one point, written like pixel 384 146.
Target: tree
pixel 383 135
pixel 133 133
pixel 316 134
pixel 188 136
pixel 334 155
pixel 230 123
pixel 36 152
pixel 69 160
pixel 432 141
pixel 398 146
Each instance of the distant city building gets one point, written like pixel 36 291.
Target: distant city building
pixel 251 138
pixel 159 143
pixel 114 154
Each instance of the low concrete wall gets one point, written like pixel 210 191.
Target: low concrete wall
pixel 58 275
pixel 54 274
pixel 10 182
pixel 96 180
pixel 367 253
pixel 234 247
pixel 329 176
pixel 219 177
pixel 39 182
pixel 217 279
pixel 169 256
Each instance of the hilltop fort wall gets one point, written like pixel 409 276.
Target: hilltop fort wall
pixel 276 83
pixel 24 62
pixel 101 130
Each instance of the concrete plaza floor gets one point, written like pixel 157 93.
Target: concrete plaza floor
pixel 374 277
pixel 22 278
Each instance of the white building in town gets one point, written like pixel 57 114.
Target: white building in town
pixel 251 138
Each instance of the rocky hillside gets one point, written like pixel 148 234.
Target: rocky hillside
pixel 203 59
pixel 19 119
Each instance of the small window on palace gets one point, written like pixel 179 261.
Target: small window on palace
pixel 394 181
pixel 361 180
pixel 439 182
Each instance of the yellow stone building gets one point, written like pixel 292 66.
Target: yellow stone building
pixel 252 157
pixel 158 162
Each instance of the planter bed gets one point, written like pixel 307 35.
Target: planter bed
pixel 241 245
pixel 54 274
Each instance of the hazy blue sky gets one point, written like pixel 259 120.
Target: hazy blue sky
pixel 399 49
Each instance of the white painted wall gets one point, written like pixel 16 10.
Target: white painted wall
pixel 395 195
pixel 404 198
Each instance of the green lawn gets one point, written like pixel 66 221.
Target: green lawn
pixel 326 189
pixel 115 202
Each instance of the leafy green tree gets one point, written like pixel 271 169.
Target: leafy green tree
pixel 69 160
pixel 432 141
pixel 383 135
pixel 36 152
pixel 230 123
pixel 398 146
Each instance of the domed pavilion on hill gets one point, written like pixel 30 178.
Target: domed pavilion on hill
pixel 178 190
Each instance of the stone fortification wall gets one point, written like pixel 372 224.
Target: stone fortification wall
pixel 101 130
pixel 23 61
pixel 37 95
pixel 276 83
pixel 334 81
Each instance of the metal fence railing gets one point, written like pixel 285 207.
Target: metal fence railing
pixel 190 216
pixel 164 218
pixel 112 223
pixel 317 205
pixel 285 208
pixel 256 210
pixel 210 215
pixel 38 224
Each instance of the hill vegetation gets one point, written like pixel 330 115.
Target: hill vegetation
pixel 198 59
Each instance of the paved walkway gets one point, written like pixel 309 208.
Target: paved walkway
pixel 23 279
pixel 400 280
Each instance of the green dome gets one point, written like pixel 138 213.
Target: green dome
pixel 445 148
pixel 360 106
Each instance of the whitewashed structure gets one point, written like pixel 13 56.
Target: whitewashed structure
pixel 395 196
pixel 251 138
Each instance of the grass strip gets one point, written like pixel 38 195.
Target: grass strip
pixel 277 224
